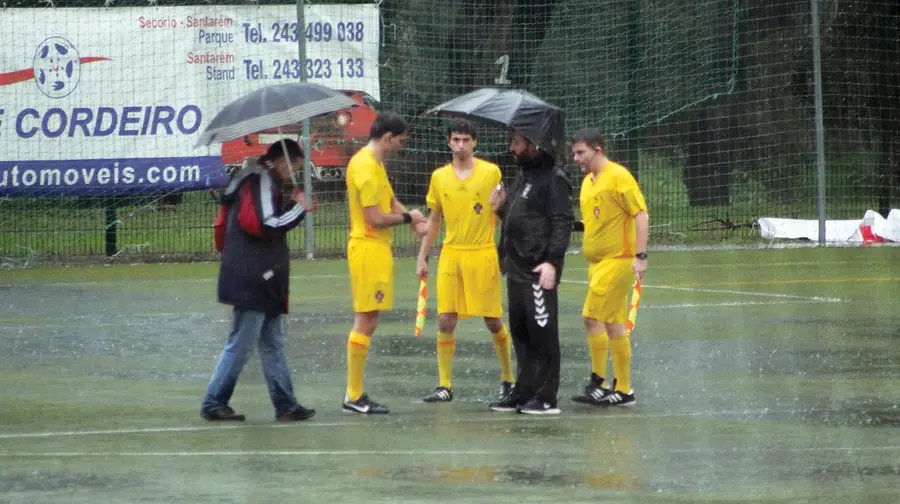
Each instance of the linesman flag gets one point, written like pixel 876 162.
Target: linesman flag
pixel 633 307
pixel 420 309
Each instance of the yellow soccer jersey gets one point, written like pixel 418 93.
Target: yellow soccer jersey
pixel 368 185
pixel 608 206
pixel 465 204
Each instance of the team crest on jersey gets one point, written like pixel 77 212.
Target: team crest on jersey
pixel 526 191
pixel 596 211
pixel 478 208
pixel 379 296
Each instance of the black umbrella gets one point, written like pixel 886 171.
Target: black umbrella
pixel 515 110
pixel 272 107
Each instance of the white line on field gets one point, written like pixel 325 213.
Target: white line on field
pixel 212 320
pixel 602 415
pixel 727 265
pixel 307 453
pixel 738 303
pixel 749 293
pixel 727 291
pixel 157 430
pixel 130 282
pixel 244 453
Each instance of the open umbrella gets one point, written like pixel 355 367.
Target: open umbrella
pixel 515 110
pixel 272 107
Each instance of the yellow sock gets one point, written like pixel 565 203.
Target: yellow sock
pixel 620 348
pixel 503 349
pixel 598 346
pixel 446 347
pixel 357 349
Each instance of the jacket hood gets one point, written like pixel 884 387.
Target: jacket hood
pixel 542 161
pixel 252 166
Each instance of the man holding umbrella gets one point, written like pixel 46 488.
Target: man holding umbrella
pixel 255 271
pixel 254 278
pixel 537 222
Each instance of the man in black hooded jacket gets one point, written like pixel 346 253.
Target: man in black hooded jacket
pixel 537 223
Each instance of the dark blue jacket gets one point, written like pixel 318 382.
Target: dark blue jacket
pixel 255 270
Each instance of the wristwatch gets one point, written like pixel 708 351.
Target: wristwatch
pixel 641 255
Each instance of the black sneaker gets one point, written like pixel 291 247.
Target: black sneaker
pixel 440 394
pixel 296 413
pixel 506 389
pixel 508 404
pixel 616 398
pixel 593 391
pixel 221 414
pixel 538 407
pixel 363 405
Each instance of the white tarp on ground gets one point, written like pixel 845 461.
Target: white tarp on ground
pixel 835 230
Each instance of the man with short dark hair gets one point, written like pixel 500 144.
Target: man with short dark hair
pixel 616 225
pixel 254 278
pixel 374 211
pixel 468 274
pixel 537 223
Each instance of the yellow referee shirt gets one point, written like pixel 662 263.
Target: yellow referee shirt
pixel 368 185
pixel 465 204
pixel 609 203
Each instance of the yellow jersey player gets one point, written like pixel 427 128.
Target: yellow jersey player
pixel 468 273
pixel 374 210
pixel 616 225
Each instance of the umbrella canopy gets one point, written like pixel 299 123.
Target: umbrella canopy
pixel 271 107
pixel 516 110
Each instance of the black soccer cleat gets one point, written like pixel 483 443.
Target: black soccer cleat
pixel 538 407
pixel 440 394
pixel 364 406
pixel 221 414
pixel 616 398
pixel 294 414
pixel 506 388
pixel 508 404
pixel 593 391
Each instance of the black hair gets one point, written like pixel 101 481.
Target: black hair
pixel 462 127
pixel 387 122
pixel 591 137
pixel 277 151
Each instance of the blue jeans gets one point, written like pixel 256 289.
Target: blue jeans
pixel 266 331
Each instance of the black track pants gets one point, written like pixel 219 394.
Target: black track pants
pixel 534 327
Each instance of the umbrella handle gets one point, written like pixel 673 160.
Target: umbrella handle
pixel 284 152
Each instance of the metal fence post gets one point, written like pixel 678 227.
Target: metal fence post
pixel 819 120
pixel 304 141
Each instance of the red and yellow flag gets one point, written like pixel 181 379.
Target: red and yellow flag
pixel 633 307
pixel 420 309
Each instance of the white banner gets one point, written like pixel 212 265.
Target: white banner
pixel 91 89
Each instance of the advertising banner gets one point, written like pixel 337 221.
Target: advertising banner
pixel 111 101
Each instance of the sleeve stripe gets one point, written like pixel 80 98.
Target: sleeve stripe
pixel 265 199
pixel 286 218
pixel 269 217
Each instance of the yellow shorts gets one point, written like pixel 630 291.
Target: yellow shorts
pixel 371 266
pixel 468 283
pixel 609 283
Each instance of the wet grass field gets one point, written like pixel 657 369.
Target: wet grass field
pixel 761 376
